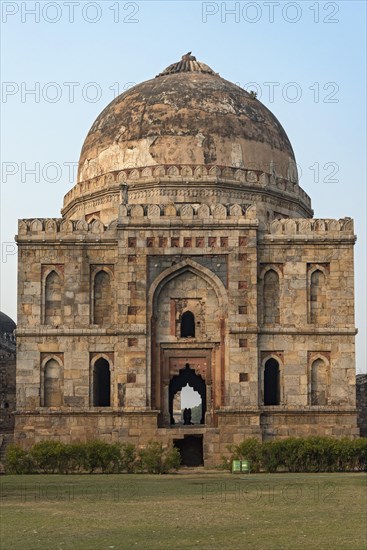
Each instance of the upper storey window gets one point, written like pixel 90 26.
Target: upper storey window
pixel 188 325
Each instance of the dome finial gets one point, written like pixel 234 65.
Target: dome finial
pixel 188 57
pixel 188 64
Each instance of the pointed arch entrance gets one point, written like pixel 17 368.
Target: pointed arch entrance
pixel 187 307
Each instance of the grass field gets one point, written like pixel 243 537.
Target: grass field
pixel 184 511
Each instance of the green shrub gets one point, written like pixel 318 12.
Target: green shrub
pixel 249 449
pixel 74 458
pixel 128 458
pixel 101 456
pixel 272 455
pixel 226 461
pixel 172 459
pixel 294 454
pixel 319 454
pixel 297 454
pixel 18 461
pixel 360 454
pixel 156 459
pixel 47 456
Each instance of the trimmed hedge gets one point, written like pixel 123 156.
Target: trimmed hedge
pixel 296 454
pixel 54 457
pixel 312 454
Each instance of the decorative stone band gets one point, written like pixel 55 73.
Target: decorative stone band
pixel 296 409
pixel 186 174
pixel 154 213
pixel 129 329
pixel 86 411
pixel 311 226
pixel 136 329
pixel 43 412
pixel 164 215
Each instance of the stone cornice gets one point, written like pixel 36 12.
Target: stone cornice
pixel 133 329
pixel 293 331
pixel 71 411
pixel 313 240
pixel 262 410
pixel 136 329
pixel 148 215
pixel 191 178
pixel 286 409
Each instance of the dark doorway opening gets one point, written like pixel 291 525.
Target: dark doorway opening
pixel 188 325
pixel 191 450
pixel 101 383
pixel 195 381
pixel 271 383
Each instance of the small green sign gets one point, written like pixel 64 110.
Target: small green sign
pixel 236 466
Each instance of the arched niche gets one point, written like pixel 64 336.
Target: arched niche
pixel 319 381
pixel 52 298
pixel 271 297
pixel 52 383
pixel 102 302
pixel 317 306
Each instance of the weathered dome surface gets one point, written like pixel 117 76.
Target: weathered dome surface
pixel 187 116
pixel 7 324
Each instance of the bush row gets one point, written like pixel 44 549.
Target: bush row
pixel 51 457
pixel 295 454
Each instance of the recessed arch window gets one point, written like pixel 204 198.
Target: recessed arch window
pixel 271 297
pixel 52 396
pixel 317 297
pixel 102 298
pixel 319 382
pixel 187 325
pixel 53 298
pixel 271 382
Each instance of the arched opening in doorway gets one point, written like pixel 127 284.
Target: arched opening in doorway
pixel 187 376
pixel 187 398
pixel 101 383
pixel 271 382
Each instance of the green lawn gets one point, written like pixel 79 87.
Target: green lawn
pixel 184 511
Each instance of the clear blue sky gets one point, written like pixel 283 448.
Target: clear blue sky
pixel 312 53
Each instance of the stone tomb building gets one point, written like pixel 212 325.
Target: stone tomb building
pixel 7 375
pixel 186 254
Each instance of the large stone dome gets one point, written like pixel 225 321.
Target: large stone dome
pixel 183 132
